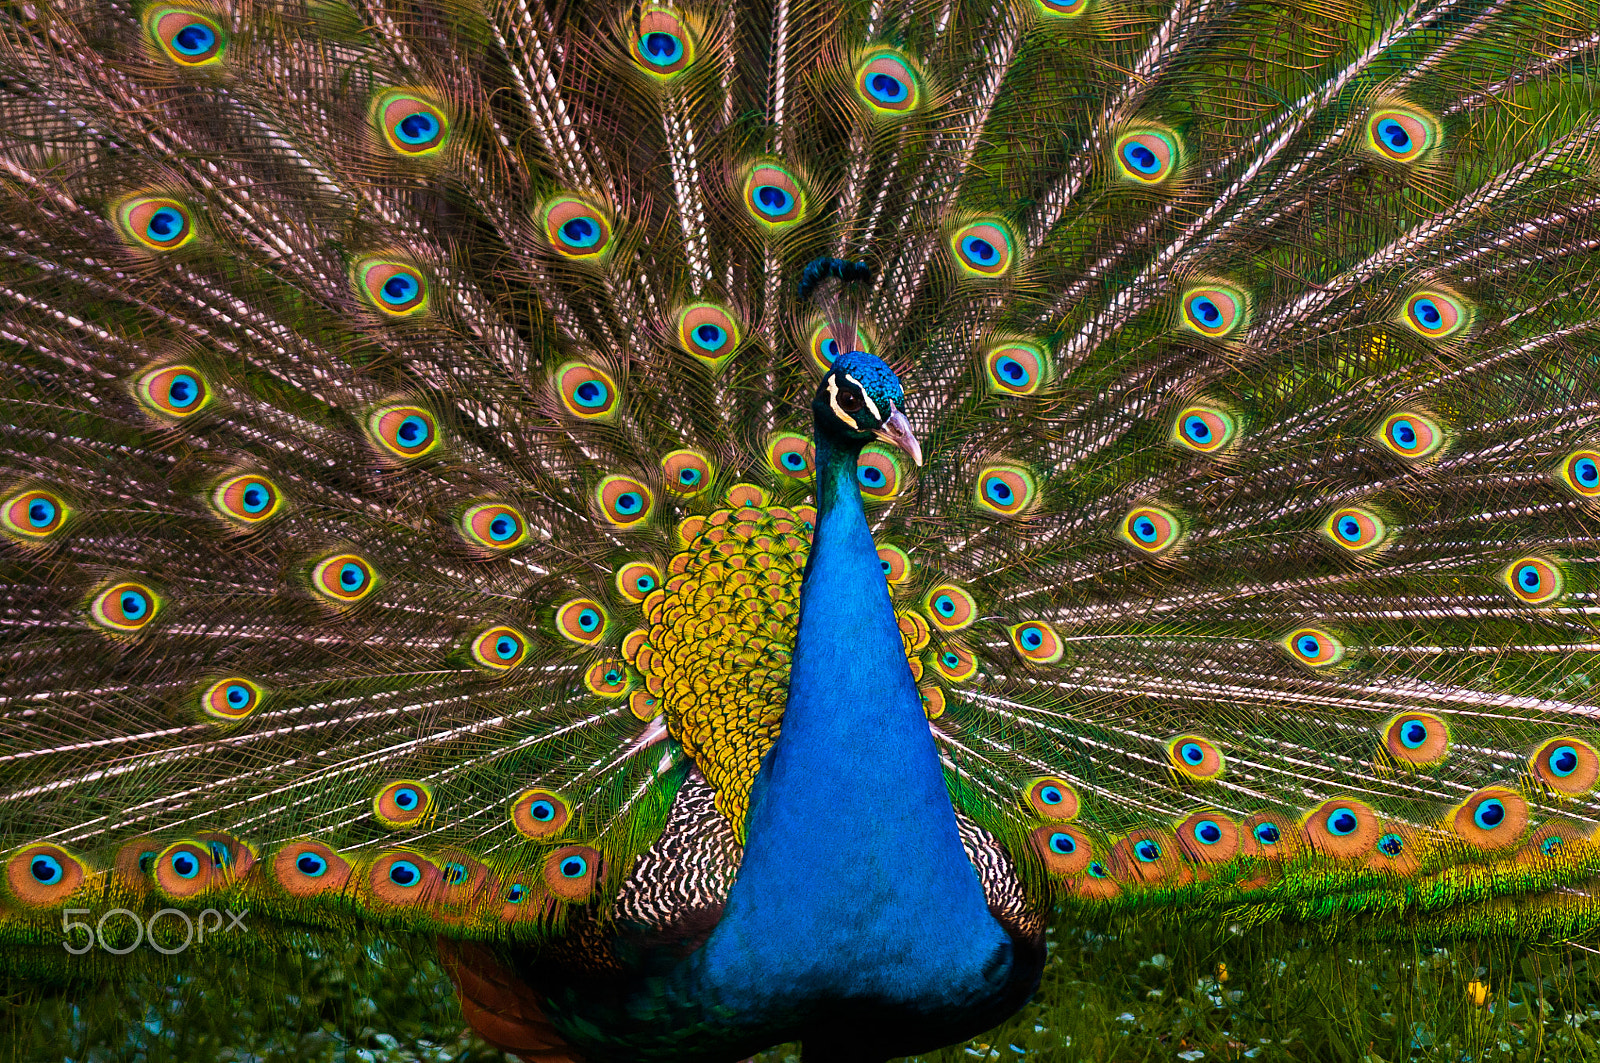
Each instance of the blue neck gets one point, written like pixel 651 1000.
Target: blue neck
pixel 854 885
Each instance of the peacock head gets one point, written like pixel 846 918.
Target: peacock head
pixel 861 399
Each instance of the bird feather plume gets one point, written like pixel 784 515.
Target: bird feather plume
pixel 407 457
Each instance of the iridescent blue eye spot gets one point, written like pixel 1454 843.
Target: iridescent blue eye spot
pixel 870 476
pixel 1197 430
pixel 404 873
pixel 134 605
pixel 147 860
pixel 709 337
pixel 413 431
pixel 194 39
pixel 690 477
pixel 998 491
pixel 183 390
pixel 1063 843
pixel 580 232
pixel 502 528
pixel 1147 851
pixel 406 798
pixel 1550 844
pixel 1140 158
pixel 164 224
pixel 1528 577
pixel 1563 761
pixel 1031 637
pixel 455 874
pixel 1427 312
pixel 1413 733
pixel 1145 530
pixel 543 811
pixel 310 865
pixel 830 349
pixel 1205 311
pixel 185 865
pixel 952 661
pixel 613 677
pixel 591 394
pixel 238 695
pixel 399 289
pixel 1586 472
pixel 1050 795
pixel 1404 434
pixel 886 89
pixel 629 503
pixel 588 620
pixel 45 869
pixel 1342 822
pixel 506 647
pixel 1012 371
pixel 662 49
pixel 256 498
pixel 1097 870
pixel 517 893
pixel 645 583
pixel 1391 845
pixel 794 460
pixel 772 200
pixel 574 866
pixel 41 513
pixel 351 576
pixel 220 856
pixel 887 568
pixel 1192 753
pixel 1309 646
pixel 1207 832
pixel 945 604
pixel 1490 814
pixel 1350 529
pixel 1267 833
pixel 979 250
pixel 1395 134
pixel 417 128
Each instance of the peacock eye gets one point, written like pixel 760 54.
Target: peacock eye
pixel 539 814
pixel 46 869
pixel 850 401
pixel 409 124
pixel 663 44
pixel 230 700
pixel 186 38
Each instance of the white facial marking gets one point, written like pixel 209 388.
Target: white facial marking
pixel 833 400
pixel 873 406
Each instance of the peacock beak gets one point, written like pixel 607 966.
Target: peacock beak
pixel 897 430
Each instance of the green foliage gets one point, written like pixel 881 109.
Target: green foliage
pixel 321 1000
pixel 1152 994
pixel 1139 993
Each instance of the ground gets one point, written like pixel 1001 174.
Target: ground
pixel 1214 993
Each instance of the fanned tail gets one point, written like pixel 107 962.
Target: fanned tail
pixel 407 465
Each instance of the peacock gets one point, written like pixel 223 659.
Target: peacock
pixel 740 519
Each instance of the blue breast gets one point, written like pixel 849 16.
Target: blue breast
pixel 857 923
pixel 855 888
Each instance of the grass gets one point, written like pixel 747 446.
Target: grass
pixel 1141 993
